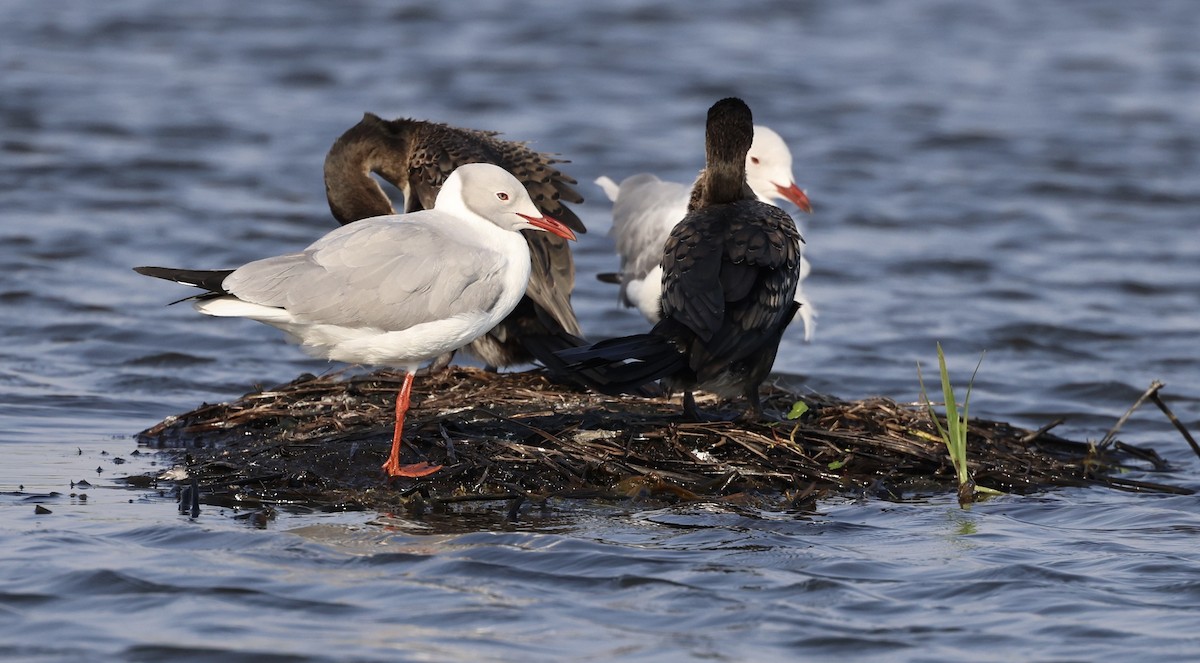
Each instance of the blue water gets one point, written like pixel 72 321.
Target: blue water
pixel 1016 177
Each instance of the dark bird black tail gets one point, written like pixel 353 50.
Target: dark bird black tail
pixel 546 348
pixel 622 365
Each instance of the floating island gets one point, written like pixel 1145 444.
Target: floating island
pixel 509 439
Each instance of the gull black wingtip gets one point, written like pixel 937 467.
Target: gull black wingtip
pixel 208 279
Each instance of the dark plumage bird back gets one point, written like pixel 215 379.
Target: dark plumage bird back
pixel 417 156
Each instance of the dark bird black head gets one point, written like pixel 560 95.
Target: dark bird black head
pixel 727 139
pixel 730 131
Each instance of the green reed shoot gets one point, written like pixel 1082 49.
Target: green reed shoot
pixel 954 433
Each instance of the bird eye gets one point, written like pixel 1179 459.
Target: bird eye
pixel 754 160
pixel 501 195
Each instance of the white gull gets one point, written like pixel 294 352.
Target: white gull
pixel 395 290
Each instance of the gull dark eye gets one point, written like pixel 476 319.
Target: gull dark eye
pixel 754 160
pixel 501 195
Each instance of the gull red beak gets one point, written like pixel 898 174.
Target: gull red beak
pixel 798 197
pixel 549 224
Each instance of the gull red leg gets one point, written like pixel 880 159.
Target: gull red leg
pixel 393 466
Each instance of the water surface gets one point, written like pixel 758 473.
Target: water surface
pixel 1016 177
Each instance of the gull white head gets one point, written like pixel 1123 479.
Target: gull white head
pixel 489 192
pixel 769 169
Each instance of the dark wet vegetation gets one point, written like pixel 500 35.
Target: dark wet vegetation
pixel 513 438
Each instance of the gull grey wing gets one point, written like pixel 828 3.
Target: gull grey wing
pixel 375 273
pixel 643 216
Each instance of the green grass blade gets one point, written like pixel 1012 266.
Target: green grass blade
pixel 954 433
pixel 956 442
pixel 967 404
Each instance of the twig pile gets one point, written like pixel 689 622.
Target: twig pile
pixel 516 436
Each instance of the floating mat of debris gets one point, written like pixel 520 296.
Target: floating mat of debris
pixel 320 441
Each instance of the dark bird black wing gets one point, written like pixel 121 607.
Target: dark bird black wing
pixel 728 275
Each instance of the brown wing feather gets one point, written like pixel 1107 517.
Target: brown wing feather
pixel 437 149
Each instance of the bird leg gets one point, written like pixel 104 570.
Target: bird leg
pixel 439 364
pixel 751 414
pixel 393 466
pixel 692 412
pixel 753 411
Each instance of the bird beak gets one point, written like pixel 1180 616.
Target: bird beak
pixel 549 224
pixel 794 194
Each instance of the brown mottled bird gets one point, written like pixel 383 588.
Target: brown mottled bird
pixel 416 157
pixel 730 270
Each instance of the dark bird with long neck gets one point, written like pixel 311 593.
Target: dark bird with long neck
pixel 730 270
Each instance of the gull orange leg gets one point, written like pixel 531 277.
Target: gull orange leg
pixel 393 466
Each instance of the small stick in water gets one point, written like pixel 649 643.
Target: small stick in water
pixel 1041 431
pixel 1174 420
pixel 1112 433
